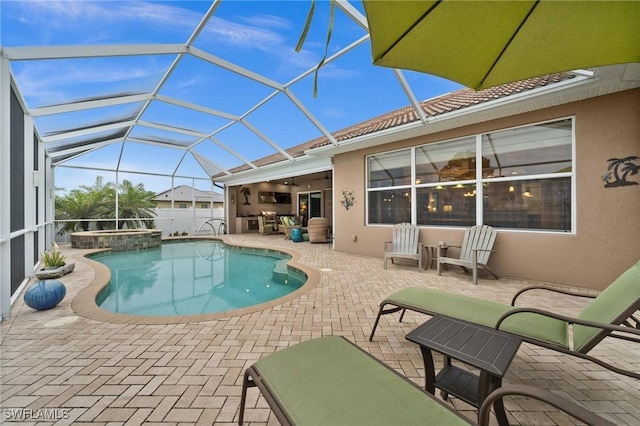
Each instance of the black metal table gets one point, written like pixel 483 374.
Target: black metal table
pixel 489 350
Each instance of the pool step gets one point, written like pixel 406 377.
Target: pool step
pixel 281 271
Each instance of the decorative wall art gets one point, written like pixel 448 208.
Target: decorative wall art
pixel 347 199
pixel 246 192
pixel 619 169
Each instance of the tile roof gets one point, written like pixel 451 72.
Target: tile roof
pixel 440 105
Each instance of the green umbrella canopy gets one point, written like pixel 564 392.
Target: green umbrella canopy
pixel 482 44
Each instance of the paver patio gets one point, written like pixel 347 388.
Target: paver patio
pixel 90 372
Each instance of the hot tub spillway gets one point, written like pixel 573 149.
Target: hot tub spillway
pixel 117 240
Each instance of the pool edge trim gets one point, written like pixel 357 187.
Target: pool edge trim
pixel 84 303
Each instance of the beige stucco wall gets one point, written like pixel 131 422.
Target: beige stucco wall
pixel 607 238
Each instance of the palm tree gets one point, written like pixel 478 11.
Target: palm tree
pixel 135 202
pixel 105 194
pixel 78 204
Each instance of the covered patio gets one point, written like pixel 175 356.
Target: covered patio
pixel 97 372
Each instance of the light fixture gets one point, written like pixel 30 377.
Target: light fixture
pixel 326 176
pixel 527 193
pixel 418 180
pixel 511 188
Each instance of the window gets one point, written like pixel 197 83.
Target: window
pixel 390 169
pixel 390 206
pixel 530 182
pixel 389 187
pixel 519 178
pixel 441 196
pixel 182 205
pixel 204 206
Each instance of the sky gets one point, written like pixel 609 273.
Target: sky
pixel 258 36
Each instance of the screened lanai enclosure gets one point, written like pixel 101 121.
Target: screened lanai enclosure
pixel 173 93
pixel 214 95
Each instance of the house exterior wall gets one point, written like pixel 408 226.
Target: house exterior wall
pixel 607 230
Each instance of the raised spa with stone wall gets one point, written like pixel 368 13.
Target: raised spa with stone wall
pixel 117 240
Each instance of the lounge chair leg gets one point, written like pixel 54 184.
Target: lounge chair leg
pixel 247 383
pixel 402 315
pixel 375 325
pixel 381 312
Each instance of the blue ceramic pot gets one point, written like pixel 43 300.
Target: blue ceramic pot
pixel 45 294
pixel 296 235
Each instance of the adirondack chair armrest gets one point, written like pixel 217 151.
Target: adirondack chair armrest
pixel 479 249
pixel 572 320
pixel 555 290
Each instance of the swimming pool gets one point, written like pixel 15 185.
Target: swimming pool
pixel 194 277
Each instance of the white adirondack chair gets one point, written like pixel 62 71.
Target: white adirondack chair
pixel 405 244
pixel 476 248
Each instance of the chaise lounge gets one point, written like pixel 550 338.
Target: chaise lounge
pixel 608 314
pixel 330 381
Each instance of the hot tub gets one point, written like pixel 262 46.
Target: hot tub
pixel 117 239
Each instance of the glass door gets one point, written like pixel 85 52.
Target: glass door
pixel 309 205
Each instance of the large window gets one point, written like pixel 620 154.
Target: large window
pixel 517 178
pixel 389 187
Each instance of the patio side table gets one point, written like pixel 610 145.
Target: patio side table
pixel 432 253
pixel 489 350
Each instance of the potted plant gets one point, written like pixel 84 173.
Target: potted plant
pixel 54 264
pixel 53 259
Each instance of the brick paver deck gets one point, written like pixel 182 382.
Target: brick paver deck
pixel 58 367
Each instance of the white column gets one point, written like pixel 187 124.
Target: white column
pixel 479 189
pixel 5 198
pixel 49 205
pixel 193 206
pixel 44 168
pixel 29 197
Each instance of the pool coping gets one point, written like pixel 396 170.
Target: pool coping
pixel 84 303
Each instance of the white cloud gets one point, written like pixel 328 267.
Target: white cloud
pixel 243 36
pixel 334 113
pixel 50 82
pixel 85 14
pixel 268 21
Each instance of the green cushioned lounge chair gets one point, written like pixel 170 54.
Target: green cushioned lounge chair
pixel 330 381
pixel 608 314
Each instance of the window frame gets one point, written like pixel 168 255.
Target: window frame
pixel 479 180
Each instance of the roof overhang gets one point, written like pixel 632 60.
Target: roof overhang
pixel 300 166
pixel 585 85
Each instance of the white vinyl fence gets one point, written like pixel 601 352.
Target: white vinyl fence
pixel 190 221
pixel 183 221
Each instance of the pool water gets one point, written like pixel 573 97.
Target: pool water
pixel 194 277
